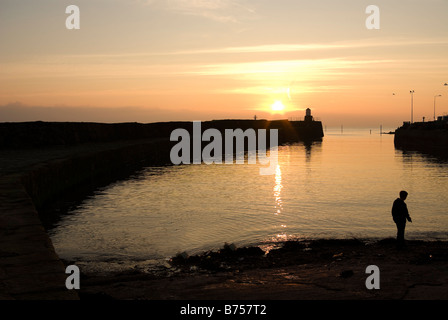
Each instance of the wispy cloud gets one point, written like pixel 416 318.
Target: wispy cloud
pixel 284 91
pixel 334 47
pixel 367 43
pixel 285 66
pixel 217 10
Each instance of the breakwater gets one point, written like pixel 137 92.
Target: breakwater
pixel 427 137
pixel 43 134
pixel 40 162
pixel 30 179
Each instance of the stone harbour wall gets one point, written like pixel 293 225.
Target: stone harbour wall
pixel 29 265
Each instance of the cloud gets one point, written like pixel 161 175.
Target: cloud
pixel 19 112
pixel 295 47
pixel 226 11
pixel 282 67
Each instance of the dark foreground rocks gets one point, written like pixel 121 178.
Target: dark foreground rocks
pixel 315 270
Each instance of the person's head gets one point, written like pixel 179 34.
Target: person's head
pixel 403 195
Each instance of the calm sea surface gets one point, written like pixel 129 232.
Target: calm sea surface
pixel 342 187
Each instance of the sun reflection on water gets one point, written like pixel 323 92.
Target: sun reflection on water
pixel 278 191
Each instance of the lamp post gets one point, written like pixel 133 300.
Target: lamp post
pixel 412 105
pixel 436 96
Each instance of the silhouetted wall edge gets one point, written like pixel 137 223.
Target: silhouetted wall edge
pixel 428 137
pixel 47 181
pixel 43 134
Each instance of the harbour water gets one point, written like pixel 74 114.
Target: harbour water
pixel 342 187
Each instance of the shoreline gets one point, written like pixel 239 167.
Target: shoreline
pixel 325 269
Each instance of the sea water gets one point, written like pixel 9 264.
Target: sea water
pixel 342 187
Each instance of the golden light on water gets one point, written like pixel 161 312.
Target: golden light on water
pixel 278 201
pixel 278 190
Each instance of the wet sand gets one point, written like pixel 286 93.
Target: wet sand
pixel 317 270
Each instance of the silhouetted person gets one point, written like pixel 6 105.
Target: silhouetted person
pixel 400 214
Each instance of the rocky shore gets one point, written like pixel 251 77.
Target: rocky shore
pixel 302 270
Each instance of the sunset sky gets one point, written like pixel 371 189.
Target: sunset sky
pixel 163 60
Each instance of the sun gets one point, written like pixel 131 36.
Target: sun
pixel 278 106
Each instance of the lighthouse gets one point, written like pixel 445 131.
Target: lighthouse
pixel 308 116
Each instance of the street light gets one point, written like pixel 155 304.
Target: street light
pixel 439 95
pixel 412 105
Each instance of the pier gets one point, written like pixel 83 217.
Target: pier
pixel 428 137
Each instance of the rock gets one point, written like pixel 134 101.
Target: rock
pixel 338 256
pixel 230 247
pixel 346 274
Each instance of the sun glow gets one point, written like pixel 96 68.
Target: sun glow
pixel 278 106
